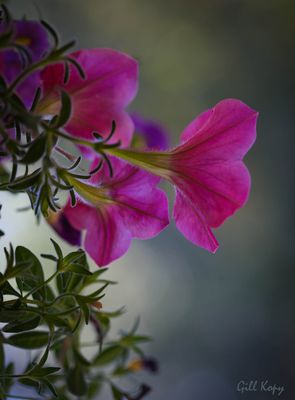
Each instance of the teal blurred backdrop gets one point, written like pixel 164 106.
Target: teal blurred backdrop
pixel 216 319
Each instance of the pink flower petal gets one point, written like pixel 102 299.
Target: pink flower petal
pixel 207 166
pixel 125 177
pixel 142 206
pixel 125 206
pixel 218 190
pixel 211 180
pixel 225 132
pixel 106 236
pixel 110 84
pixel 192 224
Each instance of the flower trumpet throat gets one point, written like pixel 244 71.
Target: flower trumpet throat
pixel 94 195
pixel 158 163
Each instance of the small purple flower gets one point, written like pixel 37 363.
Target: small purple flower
pixel 154 135
pixel 33 36
pixel 60 223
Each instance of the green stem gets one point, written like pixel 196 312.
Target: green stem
pixel 71 138
pixel 44 314
pixel 42 285
pixel 13 376
pixel 60 297
pixel 36 302
pixel 69 311
pixel 25 73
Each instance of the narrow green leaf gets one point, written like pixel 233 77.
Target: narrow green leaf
pixel 2 358
pixel 23 324
pixel 36 150
pixel 80 358
pixel 10 315
pixel 24 183
pixel 94 388
pixel 33 277
pixel 78 269
pixel 41 372
pixel 6 288
pixel 57 249
pixel 7 383
pixel 62 281
pixel 86 312
pixel 76 381
pixel 52 32
pixel 108 355
pixel 16 271
pixel 65 111
pixel 130 340
pixel 28 340
pixel 117 394
pixel 50 386
pixel 49 294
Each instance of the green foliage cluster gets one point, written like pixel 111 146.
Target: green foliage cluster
pixel 48 316
pixel 34 168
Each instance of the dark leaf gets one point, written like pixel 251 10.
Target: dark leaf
pixel 6 288
pixel 80 358
pixel 78 269
pixel 10 315
pixel 108 355
pixel 23 324
pixel 7 383
pixel 49 386
pixel 76 381
pixel 36 150
pixel 2 358
pixel 32 277
pixel 41 372
pixel 65 111
pixel 28 340
pixel 117 394
pixel 52 32
pixel 25 183
pixel 57 249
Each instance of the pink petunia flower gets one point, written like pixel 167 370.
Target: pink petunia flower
pixel 114 210
pixel 207 170
pixel 110 85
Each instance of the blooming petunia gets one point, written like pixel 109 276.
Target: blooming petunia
pixel 110 85
pixel 153 135
pixel 206 169
pixel 114 210
pixel 33 36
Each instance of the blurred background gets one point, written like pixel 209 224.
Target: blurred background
pixel 216 319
